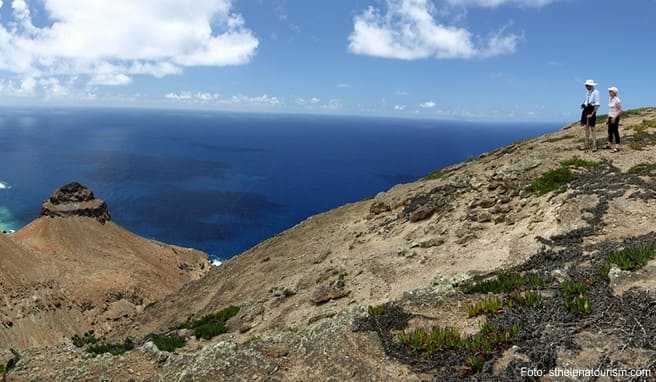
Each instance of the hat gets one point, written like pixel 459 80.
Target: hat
pixel 590 83
pixel 613 89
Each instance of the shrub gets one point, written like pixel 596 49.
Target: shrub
pixel 553 180
pixel 528 298
pixel 211 325
pixel 505 283
pixel 112 348
pixel 210 330
pixel 487 306
pixel 632 258
pixel 87 338
pixel 475 363
pixel 441 339
pixel 575 298
pixel 439 174
pixel 168 343
pixel 376 310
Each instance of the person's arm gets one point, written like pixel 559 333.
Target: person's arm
pixel 595 103
pixel 620 110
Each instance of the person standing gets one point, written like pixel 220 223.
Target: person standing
pixel 589 114
pixel 614 113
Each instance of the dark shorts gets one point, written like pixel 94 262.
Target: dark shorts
pixel 592 121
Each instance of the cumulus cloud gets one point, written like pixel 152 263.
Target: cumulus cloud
pixel 411 29
pixel 112 41
pixel 399 107
pixel 427 105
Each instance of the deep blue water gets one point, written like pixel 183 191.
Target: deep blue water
pixel 222 182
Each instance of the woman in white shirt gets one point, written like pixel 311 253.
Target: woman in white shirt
pixel 614 113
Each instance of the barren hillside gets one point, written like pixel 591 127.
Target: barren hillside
pixel 67 273
pixel 535 255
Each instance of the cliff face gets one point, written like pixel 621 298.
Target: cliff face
pixel 535 255
pixel 73 270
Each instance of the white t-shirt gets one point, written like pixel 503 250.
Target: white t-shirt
pixel 592 98
pixel 614 107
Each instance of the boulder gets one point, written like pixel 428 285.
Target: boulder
pixel 422 213
pixel 329 291
pixel 379 207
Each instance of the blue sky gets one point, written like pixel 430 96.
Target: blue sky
pixel 444 59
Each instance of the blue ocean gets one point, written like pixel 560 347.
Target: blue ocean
pixel 222 182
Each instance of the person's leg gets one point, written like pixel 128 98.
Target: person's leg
pixel 587 137
pixel 584 128
pixel 610 133
pixel 616 133
pixel 592 121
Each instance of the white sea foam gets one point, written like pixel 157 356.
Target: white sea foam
pixel 4 186
pixel 216 263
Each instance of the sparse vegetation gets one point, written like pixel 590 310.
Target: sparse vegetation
pixel 575 297
pixel 560 138
pixel 577 162
pixel 438 174
pixel 633 258
pixel 553 180
pixel 111 348
pixel 556 180
pixel 637 111
pixel 477 347
pixel 168 343
pixel 475 363
pixel 490 305
pixel 635 146
pixel 376 310
pixel 643 169
pixel 438 339
pixel 505 283
pixel 211 325
pixel 88 338
pixel 527 298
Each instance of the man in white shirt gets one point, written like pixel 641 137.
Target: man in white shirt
pixel 589 114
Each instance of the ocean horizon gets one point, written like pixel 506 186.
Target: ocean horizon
pixel 220 181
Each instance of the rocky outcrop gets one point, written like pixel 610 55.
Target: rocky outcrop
pixel 74 199
pixel 73 269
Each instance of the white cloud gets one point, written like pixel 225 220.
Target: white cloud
pixel 49 87
pixel 112 79
pixel 410 30
pixel 343 86
pixel 427 105
pixel 110 41
pixel 496 3
pixel 399 107
pixel 236 100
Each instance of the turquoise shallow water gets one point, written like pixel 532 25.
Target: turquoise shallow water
pixel 222 182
